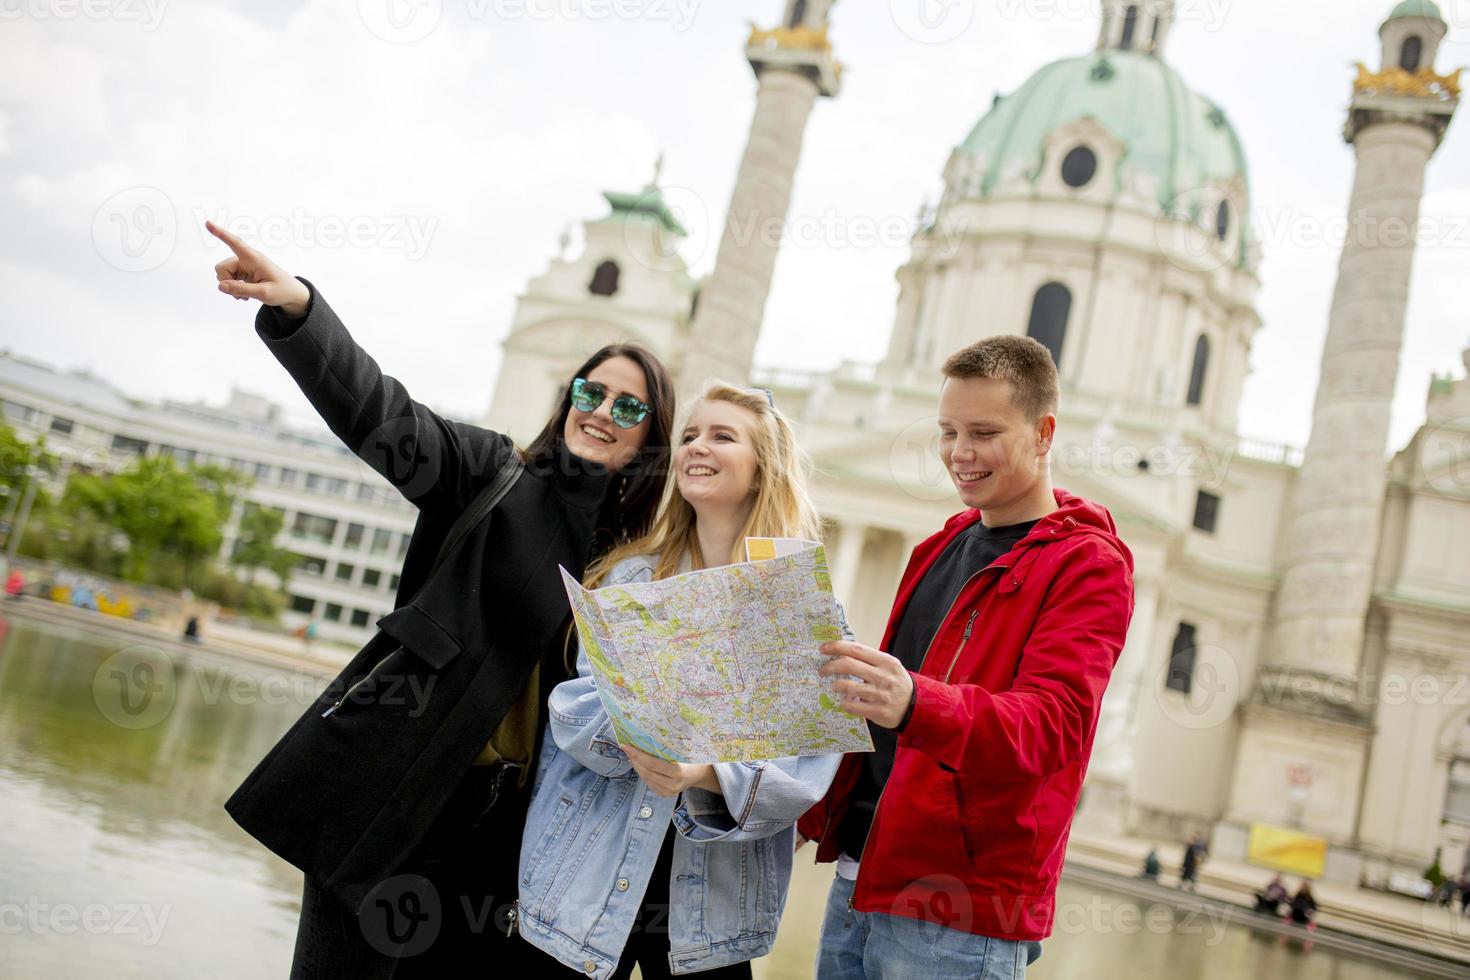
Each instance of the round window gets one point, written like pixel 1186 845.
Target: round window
pixel 1079 167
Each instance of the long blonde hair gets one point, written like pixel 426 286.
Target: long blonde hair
pixel 783 507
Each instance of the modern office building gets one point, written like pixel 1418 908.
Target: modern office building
pixel 348 524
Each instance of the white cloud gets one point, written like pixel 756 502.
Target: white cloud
pixel 493 133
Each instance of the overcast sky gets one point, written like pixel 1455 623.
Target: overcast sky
pixel 457 138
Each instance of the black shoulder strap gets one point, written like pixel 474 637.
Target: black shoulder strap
pixel 483 503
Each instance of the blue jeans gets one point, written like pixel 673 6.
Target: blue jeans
pixel 877 946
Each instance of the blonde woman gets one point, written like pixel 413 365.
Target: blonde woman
pixel 629 859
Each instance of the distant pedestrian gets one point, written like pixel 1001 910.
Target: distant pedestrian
pixel 1303 905
pixel 1194 855
pixel 15 584
pixel 1152 865
pixel 1269 900
pixel 191 629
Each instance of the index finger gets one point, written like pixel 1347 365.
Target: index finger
pixel 236 246
pixel 847 648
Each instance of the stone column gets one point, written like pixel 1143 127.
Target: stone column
pixel 794 65
pixel 1333 532
pixel 845 564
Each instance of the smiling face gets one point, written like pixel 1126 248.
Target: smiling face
pixel 593 435
pixel 994 455
pixel 715 464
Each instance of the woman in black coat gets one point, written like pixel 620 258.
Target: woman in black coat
pixel 401 792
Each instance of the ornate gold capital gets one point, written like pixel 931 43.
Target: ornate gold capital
pixel 801 38
pixel 1424 84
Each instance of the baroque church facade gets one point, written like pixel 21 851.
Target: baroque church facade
pixel 1299 655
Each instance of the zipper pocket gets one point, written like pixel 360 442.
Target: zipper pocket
pixel 959 800
pixel 969 627
pixel 360 682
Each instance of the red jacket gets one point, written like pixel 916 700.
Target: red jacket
pixel 971 828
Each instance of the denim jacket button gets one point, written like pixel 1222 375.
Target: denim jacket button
pixel 645 813
pixel 590 966
pixel 622 884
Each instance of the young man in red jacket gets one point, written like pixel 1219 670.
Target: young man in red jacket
pixel 949 836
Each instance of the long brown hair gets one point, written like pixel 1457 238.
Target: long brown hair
pixel 782 509
pixel 633 495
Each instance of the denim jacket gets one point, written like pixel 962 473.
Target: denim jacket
pixel 595 830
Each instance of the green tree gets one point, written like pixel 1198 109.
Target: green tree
pixel 173 518
pixel 255 546
pixel 17 457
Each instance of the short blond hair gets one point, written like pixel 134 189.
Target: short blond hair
pixel 1022 361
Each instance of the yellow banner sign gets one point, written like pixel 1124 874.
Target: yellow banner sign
pixel 1285 850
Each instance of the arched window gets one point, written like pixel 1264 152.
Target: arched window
pixel 1412 53
pixel 798 13
pixel 1181 660
pixel 1222 220
pixel 605 279
pixel 1049 312
pixel 1197 373
pixel 1130 27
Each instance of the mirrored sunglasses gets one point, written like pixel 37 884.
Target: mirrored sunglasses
pixel 626 412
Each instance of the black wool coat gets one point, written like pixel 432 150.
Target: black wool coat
pixel 345 797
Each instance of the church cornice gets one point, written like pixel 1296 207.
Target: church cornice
pixel 1442 613
pixel 1190 561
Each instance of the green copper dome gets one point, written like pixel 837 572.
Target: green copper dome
pixel 1417 8
pixel 1170 133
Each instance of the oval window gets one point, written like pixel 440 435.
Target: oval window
pixel 1079 167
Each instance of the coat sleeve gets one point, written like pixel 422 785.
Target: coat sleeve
pixel 429 459
pixel 758 799
pixel 580 724
pixel 1043 722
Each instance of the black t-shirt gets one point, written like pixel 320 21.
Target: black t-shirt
pixel 976 547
